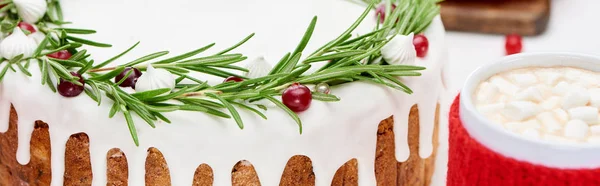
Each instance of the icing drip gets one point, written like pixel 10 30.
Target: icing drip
pixel 333 132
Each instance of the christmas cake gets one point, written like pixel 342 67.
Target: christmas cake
pixel 315 92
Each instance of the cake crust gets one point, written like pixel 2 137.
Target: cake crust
pixel 298 171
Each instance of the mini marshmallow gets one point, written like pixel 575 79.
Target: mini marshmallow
pixel 550 103
pixel 595 97
pixel 572 74
pixel 550 123
pixel 545 90
pixel 576 129
pixel 561 115
pixel 587 79
pixel 549 77
pixel 491 108
pixel 595 130
pixel 504 86
pixel 531 133
pixel 523 79
pixel 487 92
pixel 529 94
pixel 586 114
pixel 575 97
pixel 561 88
pixel 520 110
pixel 497 118
pixel 520 126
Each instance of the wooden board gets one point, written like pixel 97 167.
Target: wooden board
pixel 525 17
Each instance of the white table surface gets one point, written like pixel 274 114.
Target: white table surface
pixel 574 27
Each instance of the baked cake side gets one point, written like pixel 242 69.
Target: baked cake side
pixel 298 171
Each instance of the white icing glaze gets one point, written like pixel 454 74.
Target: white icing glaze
pixel 333 132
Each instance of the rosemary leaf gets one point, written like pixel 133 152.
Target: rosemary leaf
pixel 116 57
pixel 262 79
pixel 16 59
pixel 286 109
pixel 113 110
pixel 68 63
pixel 184 76
pixel 54 50
pixel 110 74
pixel 236 45
pixel 214 72
pixel 76 31
pixel 87 67
pixel 173 69
pixel 261 107
pixel 199 101
pixel 306 37
pixel 250 109
pixel 150 94
pixel 88 42
pixel 232 110
pixel 44 69
pixel 61 71
pixel 280 64
pixel 90 94
pixel 161 117
pixel 3 72
pixel 95 90
pixel 146 58
pixel 124 77
pixel 289 66
pixel 79 55
pixel 337 55
pixel 41 46
pixel 207 110
pixel 234 67
pixel 25 71
pixel 209 59
pixel 169 96
pixel 131 127
pixel 186 55
pixel 324 97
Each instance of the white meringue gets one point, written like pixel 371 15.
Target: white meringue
pixel 31 11
pixel 400 50
pixel 258 67
pixel 16 44
pixel 154 79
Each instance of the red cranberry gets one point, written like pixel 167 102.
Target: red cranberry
pixel 380 11
pixel 421 45
pixel 26 26
pixel 63 54
pixel 513 44
pixel 297 97
pixel 68 89
pixel 131 79
pixel 233 78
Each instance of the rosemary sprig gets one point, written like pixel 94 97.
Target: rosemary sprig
pixel 349 59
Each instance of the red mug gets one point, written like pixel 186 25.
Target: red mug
pixel 483 153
